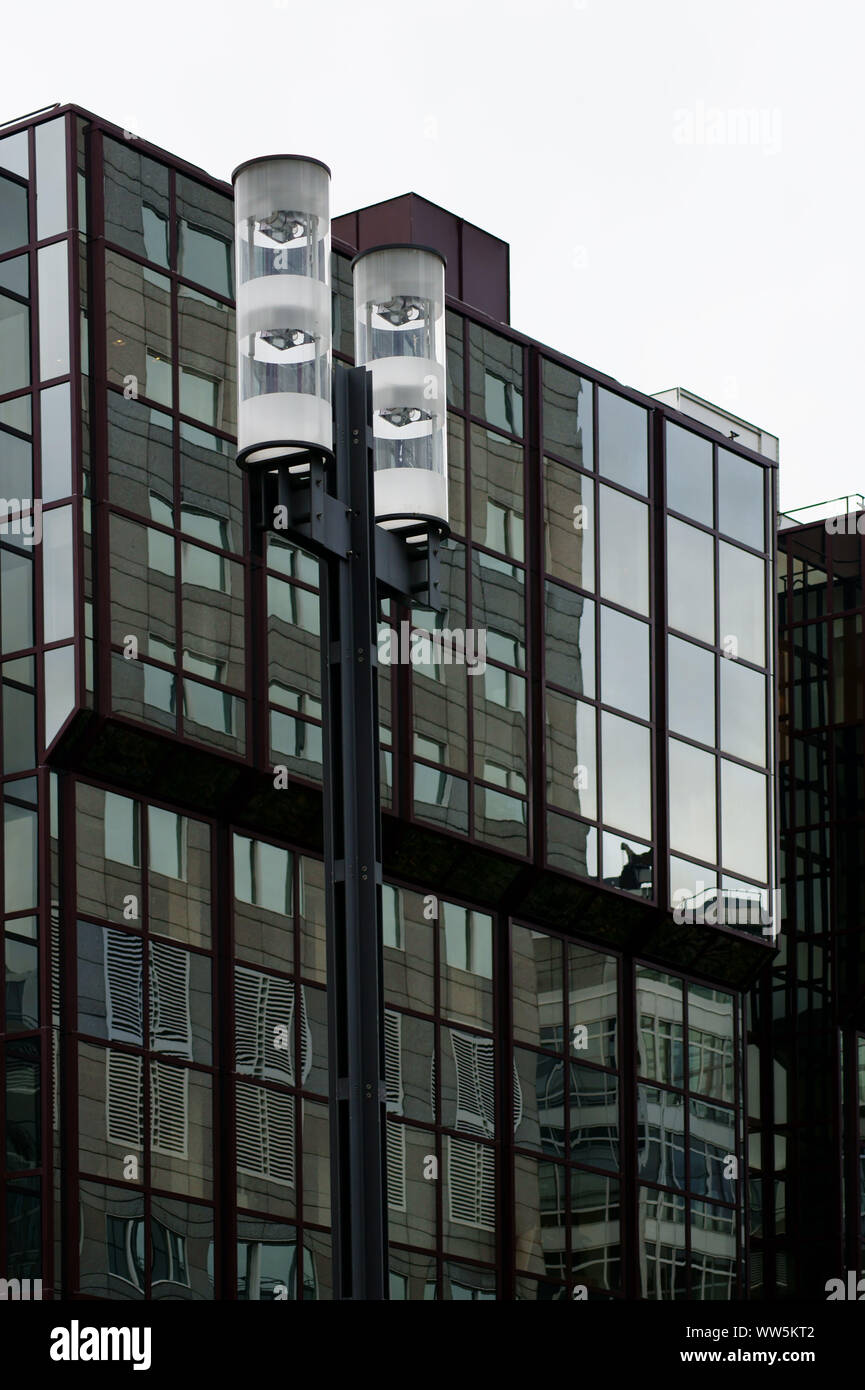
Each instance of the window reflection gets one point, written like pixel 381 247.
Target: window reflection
pixel 625 663
pixel 742 599
pixel 569 525
pixel 689 474
pixel 567 403
pixel 622 441
pixel 624 543
pixel 690 580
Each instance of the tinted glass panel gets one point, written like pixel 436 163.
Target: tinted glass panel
pixel 742 584
pixel 13 154
pixel 51 214
pixel 58 596
pixel 496 379
pixel 690 586
pixel 691 690
pixel 743 712
pixel 53 271
pixel 570 639
pixel 626 768
pixel 14 345
pixel 569 525
pixel 138 328
pixel 692 801
pixel 136 202
pixel 205 236
pixel 568 415
pixel 625 663
pixel 13 215
pixel 622 441
pixel 624 542
pixel 740 499
pixel 743 826
pixel 56 447
pixel 689 474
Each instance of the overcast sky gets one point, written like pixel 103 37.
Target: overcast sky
pixel 680 181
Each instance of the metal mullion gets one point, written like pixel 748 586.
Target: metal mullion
pixel 147 1119
pixel 686 1132
pixel 438 1116
pixel 179 678
pixel 565 945
pixel 223 1056
pixel 719 657
pixel 297 1096
pixel 46 1036
pixel 99 471
pixel 68 1043
pixel 628 1064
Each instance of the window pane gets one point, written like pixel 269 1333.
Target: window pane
pixel 211 489
pixel 14 346
pixel 626 769
pixel 213 608
pixel 622 441
pixel 740 499
pixel 660 1021
pixel 569 525
pixel 568 415
pixel 572 774
pixel 140 460
pixel 53 271
pixel 19 716
pixel 15 275
pixel 496 379
pixel 624 542
pixel 13 216
pixel 692 801
pixel 743 823
pixel 14 154
pixel 16 600
pixel 743 712
pixel 742 595
pixel 136 202
pixel 570 640
pixel 142 589
pixel 691 690
pixel 58 597
pixel 20 853
pixel 51 214
pixel 625 663
pixel 497 493
pixel 205 236
pixel 23 1105
pixel 689 474
pixel 690 587
pixel 59 688
pixel 56 445
pixel 207 360
pixel 138 328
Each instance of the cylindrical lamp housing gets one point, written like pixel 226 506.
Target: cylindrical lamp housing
pixel 399 306
pixel 282 245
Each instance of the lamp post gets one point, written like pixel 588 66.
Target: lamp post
pixel 331 452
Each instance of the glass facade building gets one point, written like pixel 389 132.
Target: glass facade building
pixel 578 822
pixel 806 1021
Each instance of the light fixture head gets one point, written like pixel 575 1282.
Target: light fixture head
pixel 282 244
pixel 399 303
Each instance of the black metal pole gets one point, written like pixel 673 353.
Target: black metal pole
pixel 353 860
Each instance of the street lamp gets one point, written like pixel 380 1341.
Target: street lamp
pixel 399 294
pixel 282 243
pixel 331 450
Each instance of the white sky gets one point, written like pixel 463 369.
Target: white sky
pixel 587 133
